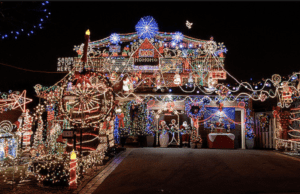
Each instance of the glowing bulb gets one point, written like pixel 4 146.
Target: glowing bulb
pixel 87 32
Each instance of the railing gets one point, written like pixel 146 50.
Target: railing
pixel 289 144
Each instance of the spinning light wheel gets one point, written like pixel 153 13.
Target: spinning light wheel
pixel 87 104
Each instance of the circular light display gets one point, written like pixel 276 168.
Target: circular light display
pixel 146 27
pixel 114 38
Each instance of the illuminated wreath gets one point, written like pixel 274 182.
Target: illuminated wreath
pixel 241 104
pixel 191 107
pixel 150 103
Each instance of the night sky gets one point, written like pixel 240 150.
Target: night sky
pixel 262 38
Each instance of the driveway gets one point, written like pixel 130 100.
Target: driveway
pixel 180 170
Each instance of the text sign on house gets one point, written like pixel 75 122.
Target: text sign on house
pixel 68 133
pixel 146 57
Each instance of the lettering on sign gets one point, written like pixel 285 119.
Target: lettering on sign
pixel 146 53
pixel 146 60
pixel 146 57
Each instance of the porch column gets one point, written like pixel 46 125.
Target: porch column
pixel 243 129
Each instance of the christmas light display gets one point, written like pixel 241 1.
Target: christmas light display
pixel 24 128
pixel 23 18
pixel 121 85
pixel 13 100
pixel 177 37
pixel 73 177
pixel 146 27
pixel 188 24
pixel 8 141
pixel 114 38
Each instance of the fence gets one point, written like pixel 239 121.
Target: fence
pixel 265 137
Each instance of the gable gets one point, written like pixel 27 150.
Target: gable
pixel 147 46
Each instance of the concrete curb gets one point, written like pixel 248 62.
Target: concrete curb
pixel 93 184
pixel 297 158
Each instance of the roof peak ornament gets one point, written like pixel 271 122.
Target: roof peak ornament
pixel 146 27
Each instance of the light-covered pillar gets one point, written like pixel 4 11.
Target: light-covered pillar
pixel 243 129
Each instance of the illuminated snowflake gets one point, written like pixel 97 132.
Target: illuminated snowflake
pixel 114 38
pixel 221 45
pixel 222 48
pixel 177 37
pixel 146 27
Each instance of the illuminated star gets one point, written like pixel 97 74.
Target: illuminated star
pixel 21 101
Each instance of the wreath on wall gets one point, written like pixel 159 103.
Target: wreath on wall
pixel 194 109
pixel 264 121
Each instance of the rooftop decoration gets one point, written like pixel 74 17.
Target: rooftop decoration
pixel 146 27
pixel 114 38
pixel 177 37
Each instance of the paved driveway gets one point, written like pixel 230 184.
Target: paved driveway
pixel 179 170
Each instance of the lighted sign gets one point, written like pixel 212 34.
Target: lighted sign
pixel 68 134
pixel 146 57
pixel 146 53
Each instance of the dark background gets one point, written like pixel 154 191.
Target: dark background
pixel 262 38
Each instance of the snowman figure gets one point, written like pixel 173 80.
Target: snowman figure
pixel 177 79
pixel 126 85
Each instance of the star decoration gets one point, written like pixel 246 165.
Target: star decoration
pixel 15 101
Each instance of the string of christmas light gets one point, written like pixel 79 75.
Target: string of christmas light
pixel 25 18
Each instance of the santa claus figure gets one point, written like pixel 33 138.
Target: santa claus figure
pixel 113 76
pixel 220 125
pixel 287 93
pixel 185 135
